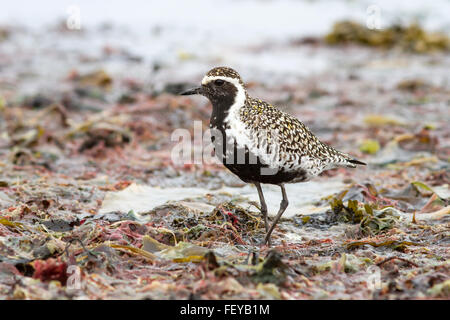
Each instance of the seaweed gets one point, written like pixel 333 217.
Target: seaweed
pixel 371 221
pixel 394 244
pixel 271 270
pixel 412 38
pixel 92 205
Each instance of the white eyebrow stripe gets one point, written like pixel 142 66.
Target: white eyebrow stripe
pixel 207 79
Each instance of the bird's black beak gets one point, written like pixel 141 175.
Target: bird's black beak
pixel 192 91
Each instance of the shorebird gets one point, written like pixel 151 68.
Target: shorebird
pixel 260 143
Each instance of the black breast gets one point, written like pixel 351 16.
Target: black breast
pixel 241 161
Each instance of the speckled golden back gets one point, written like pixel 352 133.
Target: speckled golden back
pixel 294 137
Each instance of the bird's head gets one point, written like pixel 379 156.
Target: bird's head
pixel 221 85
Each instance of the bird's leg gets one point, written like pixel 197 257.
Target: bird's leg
pixel 283 205
pixel 263 205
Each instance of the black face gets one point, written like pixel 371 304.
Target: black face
pixel 220 92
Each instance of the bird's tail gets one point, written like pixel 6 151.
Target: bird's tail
pixel 341 159
pixel 347 161
pixel 355 161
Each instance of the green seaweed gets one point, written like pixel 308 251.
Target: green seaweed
pixel 372 221
pixel 271 270
pixel 412 38
pixel 394 244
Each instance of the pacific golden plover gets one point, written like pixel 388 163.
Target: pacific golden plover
pixel 261 144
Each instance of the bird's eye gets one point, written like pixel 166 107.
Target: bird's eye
pixel 219 82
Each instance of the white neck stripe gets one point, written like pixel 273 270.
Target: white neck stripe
pixel 239 100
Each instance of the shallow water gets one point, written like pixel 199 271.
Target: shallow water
pixel 142 199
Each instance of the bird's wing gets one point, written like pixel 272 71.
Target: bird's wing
pixel 291 136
